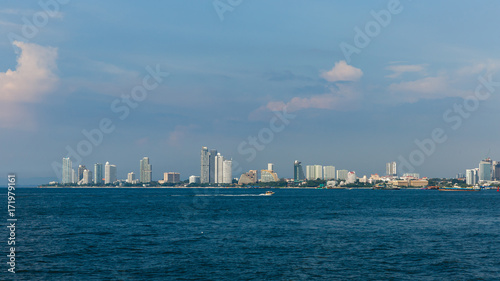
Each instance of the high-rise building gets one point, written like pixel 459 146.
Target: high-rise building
pixel 131 177
pixel 211 165
pixel 146 170
pixel 98 173
pixel 194 179
pixel 248 178
pixel 328 172
pixel 391 169
pixel 109 173
pixel 74 176
pixel 268 176
pixel 314 172
pixel 171 177
pixel 81 168
pixel 298 172
pixel 205 166
pixel 67 167
pixel 485 170
pixel 471 176
pixel 342 174
pixel 495 173
pixel 227 171
pixel 219 168
pixel 87 177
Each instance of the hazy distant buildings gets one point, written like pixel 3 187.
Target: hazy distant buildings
pixel 485 167
pixel 194 179
pixel 298 172
pixel 248 178
pixel 67 167
pixel 314 172
pixel 171 177
pixel 342 174
pixel 146 170
pixel 328 172
pixel 391 169
pixel 205 166
pixel 109 173
pixel 411 175
pixel 211 165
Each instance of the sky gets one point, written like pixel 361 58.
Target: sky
pixel 354 84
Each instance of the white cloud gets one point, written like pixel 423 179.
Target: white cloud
pixel 30 82
pixel 437 87
pixel 342 72
pixel 398 70
pixel 343 98
pixel 33 77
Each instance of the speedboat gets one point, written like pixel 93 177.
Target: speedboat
pixel 268 193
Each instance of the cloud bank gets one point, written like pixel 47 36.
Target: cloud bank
pixel 30 82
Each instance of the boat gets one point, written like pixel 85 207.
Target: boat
pixel 268 193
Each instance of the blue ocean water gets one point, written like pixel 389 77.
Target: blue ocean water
pixel 236 234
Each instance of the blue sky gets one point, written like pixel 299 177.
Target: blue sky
pixel 229 75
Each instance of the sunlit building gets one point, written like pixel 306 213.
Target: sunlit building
pixel 109 173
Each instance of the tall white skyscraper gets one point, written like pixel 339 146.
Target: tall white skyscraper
pixel 391 169
pixel 227 171
pixel 211 165
pixel 205 165
pixel 109 173
pixel 146 170
pixel 67 168
pixel 219 168
pixel 328 172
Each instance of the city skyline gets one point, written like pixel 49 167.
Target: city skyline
pixel 488 170
pixel 362 83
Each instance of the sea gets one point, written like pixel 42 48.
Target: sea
pixel 240 234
